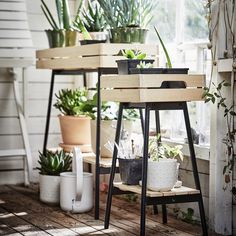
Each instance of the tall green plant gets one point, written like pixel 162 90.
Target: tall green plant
pixel 64 17
pixel 93 17
pixel 169 64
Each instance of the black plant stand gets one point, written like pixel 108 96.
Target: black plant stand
pixel 161 200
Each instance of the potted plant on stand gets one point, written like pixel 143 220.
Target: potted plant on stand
pixel 74 120
pixel 51 165
pixel 94 22
pixel 133 59
pixel 162 172
pixel 127 20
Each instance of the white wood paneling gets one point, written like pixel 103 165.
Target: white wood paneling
pixel 37 88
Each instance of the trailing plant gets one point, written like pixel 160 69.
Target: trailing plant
pixel 54 163
pixel 93 17
pixel 73 102
pixel 213 93
pixel 129 13
pixel 169 64
pixel 158 150
pixel 133 54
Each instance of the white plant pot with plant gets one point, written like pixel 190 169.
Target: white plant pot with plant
pixel 162 173
pixel 51 165
pixel 74 120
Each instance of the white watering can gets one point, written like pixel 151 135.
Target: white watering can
pixel 76 187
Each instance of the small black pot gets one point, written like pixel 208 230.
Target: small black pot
pixel 125 66
pixel 130 171
pixel 165 84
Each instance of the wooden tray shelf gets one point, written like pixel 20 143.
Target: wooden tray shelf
pixel 92 56
pixel 175 191
pixel 146 88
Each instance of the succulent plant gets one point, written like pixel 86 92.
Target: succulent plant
pixel 133 54
pixel 93 17
pixel 72 102
pixel 54 163
pixel 127 13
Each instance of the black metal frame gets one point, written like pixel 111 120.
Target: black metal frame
pixel 99 170
pixel 156 200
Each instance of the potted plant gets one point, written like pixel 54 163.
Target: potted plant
pixel 144 67
pixel 51 165
pixel 63 33
pixel 108 123
pixel 130 162
pixel 74 120
pixel 127 20
pixel 94 22
pixel 162 172
pixel 133 59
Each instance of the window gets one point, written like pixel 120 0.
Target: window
pixel 183 27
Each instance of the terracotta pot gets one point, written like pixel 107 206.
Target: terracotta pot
pixel 108 130
pixel 75 130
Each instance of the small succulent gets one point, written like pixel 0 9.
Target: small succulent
pixel 133 54
pixel 72 102
pixel 159 150
pixel 144 65
pixel 54 163
pixel 93 17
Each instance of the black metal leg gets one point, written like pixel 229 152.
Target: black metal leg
pixel 144 172
pixel 141 119
pixel 84 80
pixel 48 112
pixel 113 168
pixel 195 170
pixel 158 130
pixel 97 166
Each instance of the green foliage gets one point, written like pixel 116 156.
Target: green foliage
pixel 188 216
pixel 159 150
pixel 63 14
pixel 127 13
pixel 169 64
pixel 93 17
pixel 133 54
pixel 54 163
pixel 64 17
pixel 216 96
pixel 72 102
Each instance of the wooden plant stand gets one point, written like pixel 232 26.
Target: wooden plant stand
pixel 100 58
pixel 147 92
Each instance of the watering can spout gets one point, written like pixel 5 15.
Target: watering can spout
pixel 77 168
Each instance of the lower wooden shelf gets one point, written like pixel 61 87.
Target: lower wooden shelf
pixel 173 192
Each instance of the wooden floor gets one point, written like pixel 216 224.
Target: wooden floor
pixel 21 213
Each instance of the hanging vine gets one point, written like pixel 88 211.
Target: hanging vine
pixel 213 93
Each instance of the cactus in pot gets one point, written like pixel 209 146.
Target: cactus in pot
pixel 51 165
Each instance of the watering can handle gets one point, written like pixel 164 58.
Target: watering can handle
pixel 77 167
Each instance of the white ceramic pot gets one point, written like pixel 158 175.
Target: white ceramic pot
pixel 162 174
pixel 76 188
pixel 49 189
pixel 108 131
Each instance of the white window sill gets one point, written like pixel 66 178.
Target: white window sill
pixel 201 152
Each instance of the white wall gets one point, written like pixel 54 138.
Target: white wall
pixel 36 104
